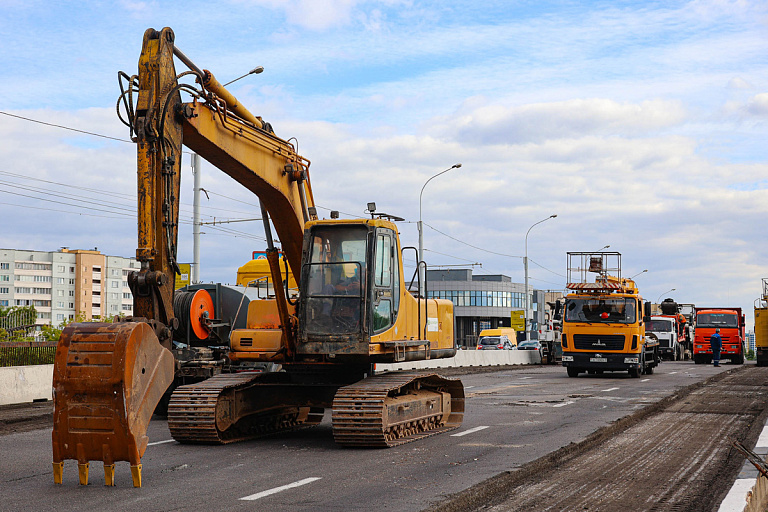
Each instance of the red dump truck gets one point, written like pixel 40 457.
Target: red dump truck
pixel 731 323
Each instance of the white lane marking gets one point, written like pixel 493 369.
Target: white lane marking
pixel 521 378
pixel 468 387
pixel 671 373
pixel 609 389
pixel 569 402
pixel 736 499
pixel 762 441
pixel 162 442
pixel 645 380
pixel 269 492
pixel 470 431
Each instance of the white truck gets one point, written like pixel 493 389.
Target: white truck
pixel 666 330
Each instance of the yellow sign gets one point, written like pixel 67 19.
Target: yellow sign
pixel 183 279
pixel 518 319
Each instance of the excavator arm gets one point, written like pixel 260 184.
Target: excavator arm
pixel 109 377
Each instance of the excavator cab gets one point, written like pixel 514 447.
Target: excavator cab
pixel 351 286
pixel 336 279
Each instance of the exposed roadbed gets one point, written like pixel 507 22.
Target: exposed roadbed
pixel 673 455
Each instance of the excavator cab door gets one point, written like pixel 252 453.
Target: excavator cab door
pixel 385 298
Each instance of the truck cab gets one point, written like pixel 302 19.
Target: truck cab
pixel 730 321
pixel 666 330
pixel 604 321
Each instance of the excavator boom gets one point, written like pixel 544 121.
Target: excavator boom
pixel 109 377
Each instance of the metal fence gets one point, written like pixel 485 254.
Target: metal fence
pixel 27 353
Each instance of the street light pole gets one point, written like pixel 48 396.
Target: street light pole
pixel 525 264
pixel 666 292
pixel 254 71
pixel 421 231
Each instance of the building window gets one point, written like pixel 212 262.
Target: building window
pixel 59 304
pixel 71 270
pixel 5 290
pixel 62 268
pixel 60 293
pixel 5 266
pixel 4 303
pixel 71 293
pixel 115 284
pixel 5 277
pixel 72 281
pixel 127 296
pixel 71 305
pixel 60 317
pixel 127 307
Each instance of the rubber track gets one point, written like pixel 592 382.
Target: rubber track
pixel 192 413
pixel 358 409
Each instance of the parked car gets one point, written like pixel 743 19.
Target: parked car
pixel 531 345
pixel 494 343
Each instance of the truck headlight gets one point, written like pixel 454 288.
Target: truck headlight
pixel 567 359
pixel 631 360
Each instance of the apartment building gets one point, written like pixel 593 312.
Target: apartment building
pixel 66 283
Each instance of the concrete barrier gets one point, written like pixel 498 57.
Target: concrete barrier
pixel 469 358
pixel 20 384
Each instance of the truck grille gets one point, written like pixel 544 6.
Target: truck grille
pixel 598 342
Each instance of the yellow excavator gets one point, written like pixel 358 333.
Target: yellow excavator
pixel 353 308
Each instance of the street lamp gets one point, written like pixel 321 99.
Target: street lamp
pixel 421 231
pixel 602 248
pixel 525 263
pixel 657 300
pixel 641 272
pixel 254 71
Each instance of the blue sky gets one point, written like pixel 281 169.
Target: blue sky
pixel 643 125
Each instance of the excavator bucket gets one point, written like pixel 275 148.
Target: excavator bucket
pixel 107 380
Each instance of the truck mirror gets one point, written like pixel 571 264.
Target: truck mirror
pixel 646 312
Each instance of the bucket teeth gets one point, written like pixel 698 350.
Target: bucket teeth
pixel 58 472
pixel 136 474
pixel 109 475
pixel 82 471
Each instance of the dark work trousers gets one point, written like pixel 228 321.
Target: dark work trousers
pixel 717 345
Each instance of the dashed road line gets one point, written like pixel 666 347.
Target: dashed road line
pixel 269 492
pixel 671 373
pixel 645 380
pixel 162 442
pixel 609 389
pixel 470 431
pixel 569 402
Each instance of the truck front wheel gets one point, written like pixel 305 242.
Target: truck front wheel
pixel 573 372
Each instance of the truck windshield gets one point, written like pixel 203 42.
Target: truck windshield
pixel 658 326
pixel 717 320
pixel 619 310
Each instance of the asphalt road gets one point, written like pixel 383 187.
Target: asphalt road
pixel 513 416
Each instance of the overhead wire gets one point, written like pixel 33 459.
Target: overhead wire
pixel 64 127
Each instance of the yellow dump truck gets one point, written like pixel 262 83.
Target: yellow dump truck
pixel 604 320
pixel 761 326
